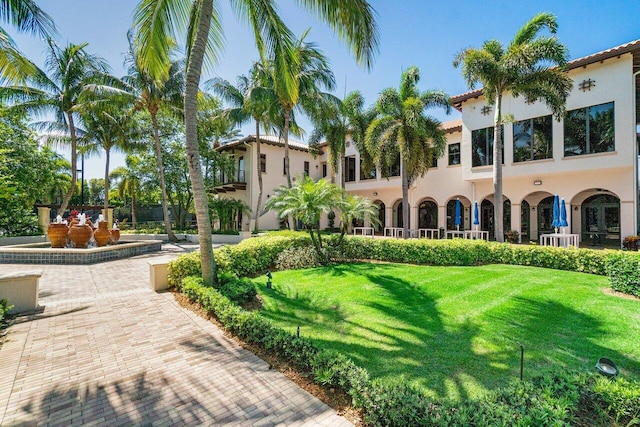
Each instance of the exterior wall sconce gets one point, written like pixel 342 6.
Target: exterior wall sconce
pixel 375 193
pixel 537 182
pixel 575 208
pixel 533 208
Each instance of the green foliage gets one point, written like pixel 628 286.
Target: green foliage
pixel 623 270
pixel 4 309
pixel 294 258
pixel 239 291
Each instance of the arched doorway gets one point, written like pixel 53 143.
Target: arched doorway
pixel 486 216
pixel 545 216
pixel 601 219
pixel 428 214
pixel 381 215
pixel 466 213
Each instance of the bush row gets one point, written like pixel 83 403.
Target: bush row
pixel 4 309
pixel 474 252
pixel 554 399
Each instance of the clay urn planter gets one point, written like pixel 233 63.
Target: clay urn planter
pixel 58 234
pixel 102 235
pixel 80 235
pixel 115 235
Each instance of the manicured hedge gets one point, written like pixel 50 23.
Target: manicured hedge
pixel 623 269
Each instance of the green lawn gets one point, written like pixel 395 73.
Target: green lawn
pixel 453 331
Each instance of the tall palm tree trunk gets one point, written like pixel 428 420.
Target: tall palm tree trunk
pixel 194 67
pixel 287 163
pixel 163 186
pixel 287 114
pixel 74 166
pixel 405 199
pixel 259 170
pixel 106 184
pixel 498 206
pixel 133 211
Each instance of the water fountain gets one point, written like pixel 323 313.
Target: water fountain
pixel 74 241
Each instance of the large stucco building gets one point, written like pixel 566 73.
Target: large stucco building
pixel 589 158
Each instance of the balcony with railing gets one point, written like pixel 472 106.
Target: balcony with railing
pixel 226 182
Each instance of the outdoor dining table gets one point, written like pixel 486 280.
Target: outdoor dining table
pixel 455 233
pixel 559 239
pixel 393 231
pixel 476 235
pixel 364 231
pixel 429 233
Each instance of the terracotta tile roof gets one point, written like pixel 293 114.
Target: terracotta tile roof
pixel 452 126
pixel 633 47
pixel 266 139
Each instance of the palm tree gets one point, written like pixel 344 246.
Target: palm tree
pixel 311 72
pixel 150 94
pixel 129 183
pixel 306 202
pixel 154 20
pixel 26 17
pixel 107 129
pixel 252 98
pixel 71 70
pixel 356 208
pixel 531 65
pixel 404 130
pixel 335 121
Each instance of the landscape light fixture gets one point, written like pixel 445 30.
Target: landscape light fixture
pixel 269 277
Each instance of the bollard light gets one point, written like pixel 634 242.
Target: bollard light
pixel 269 277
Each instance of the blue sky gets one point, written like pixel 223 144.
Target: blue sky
pixel 412 32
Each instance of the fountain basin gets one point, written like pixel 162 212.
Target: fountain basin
pixel 42 253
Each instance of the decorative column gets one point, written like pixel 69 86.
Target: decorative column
pixel 44 218
pixel 533 224
pixel 516 219
pixel 442 217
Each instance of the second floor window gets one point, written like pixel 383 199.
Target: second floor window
pixel 263 163
pixel 370 175
pixel 306 168
pixel 482 146
pixel 533 139
pixel 350 169
pixel 589 130
pixel 454 154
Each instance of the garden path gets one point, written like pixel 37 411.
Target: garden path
pixel 107 350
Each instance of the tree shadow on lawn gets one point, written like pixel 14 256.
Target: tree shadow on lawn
pixel 451 356
pixel 558 336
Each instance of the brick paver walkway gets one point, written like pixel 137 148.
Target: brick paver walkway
pixel 109 351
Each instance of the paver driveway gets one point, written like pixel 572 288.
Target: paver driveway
pixel 107 350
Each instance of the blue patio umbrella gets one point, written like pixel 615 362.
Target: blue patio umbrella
pixel 556 212
pixel 458 219
pixel 563 214
pixel 476 220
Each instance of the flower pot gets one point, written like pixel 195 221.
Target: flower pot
pixel 115 235
pixel 58 234
pixel 80 235
pixel 102 235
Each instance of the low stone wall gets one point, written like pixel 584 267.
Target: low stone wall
pixel 43 254
pixel 20 288
pixel 22 240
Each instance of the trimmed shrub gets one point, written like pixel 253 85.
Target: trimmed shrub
pixel 4 309
pixel 295 258
pixel 623 270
